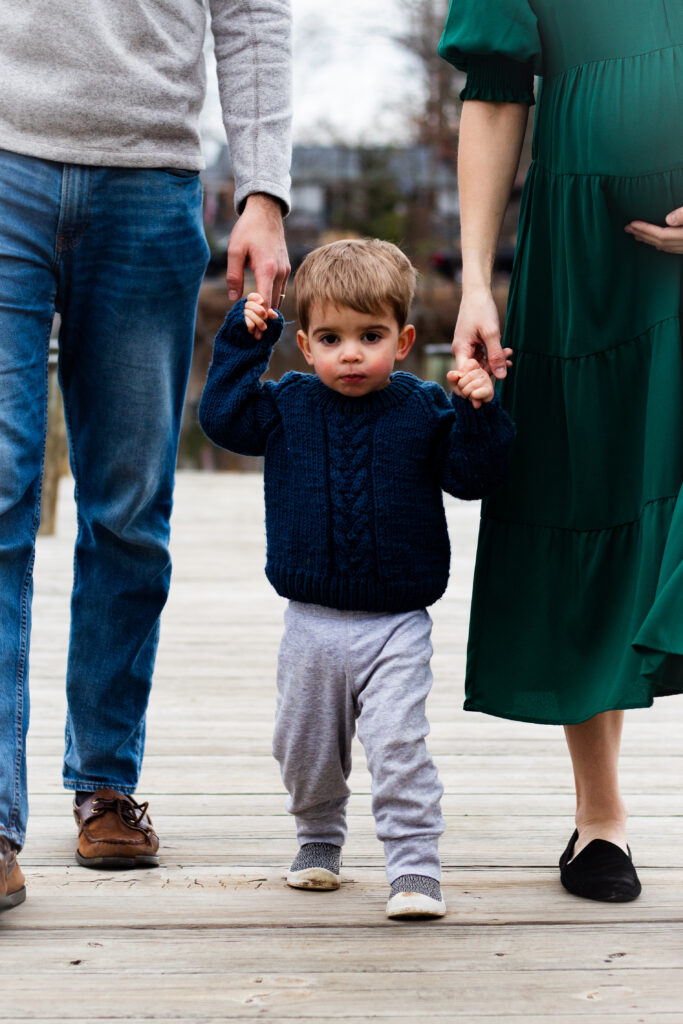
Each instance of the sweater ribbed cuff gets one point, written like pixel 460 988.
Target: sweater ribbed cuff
pixel 497 79
pixel 489 422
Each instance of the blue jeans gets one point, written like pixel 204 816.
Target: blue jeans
pixel 120 254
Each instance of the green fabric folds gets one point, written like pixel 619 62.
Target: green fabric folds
pixel 578 597
pixel 504 28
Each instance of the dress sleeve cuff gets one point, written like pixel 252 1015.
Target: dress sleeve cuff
pixel 497 79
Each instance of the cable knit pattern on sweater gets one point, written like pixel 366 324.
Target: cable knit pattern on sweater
pixel 353 486
pixel 351 495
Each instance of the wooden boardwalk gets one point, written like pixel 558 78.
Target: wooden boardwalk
pixel 214 934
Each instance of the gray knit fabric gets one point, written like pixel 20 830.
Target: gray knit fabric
pixel 121 84
pixel 335 667
pixel 416 883
pixel 318 855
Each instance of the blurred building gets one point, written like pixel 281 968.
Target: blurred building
pixel 407 195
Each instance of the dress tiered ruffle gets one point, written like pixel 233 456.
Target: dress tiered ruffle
pixel 578 598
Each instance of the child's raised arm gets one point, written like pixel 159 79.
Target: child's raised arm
pixel 237 410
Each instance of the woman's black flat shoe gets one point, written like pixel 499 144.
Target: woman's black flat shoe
pixel 602 871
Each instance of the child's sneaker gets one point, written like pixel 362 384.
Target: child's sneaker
pixel 415 896
pixel 316 866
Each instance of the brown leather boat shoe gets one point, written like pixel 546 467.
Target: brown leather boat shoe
pixel 115 832
pixel 12 888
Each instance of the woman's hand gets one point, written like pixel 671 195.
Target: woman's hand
pixel 668 239
pixel 472 382
pixel 256 314
pixel 477 334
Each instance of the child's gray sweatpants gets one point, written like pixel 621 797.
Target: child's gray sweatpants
pixel 335 667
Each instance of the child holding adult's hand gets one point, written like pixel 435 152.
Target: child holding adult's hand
pixel 472 382
pixel 257 314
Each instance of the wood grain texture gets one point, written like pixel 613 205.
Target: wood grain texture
pixel 214 934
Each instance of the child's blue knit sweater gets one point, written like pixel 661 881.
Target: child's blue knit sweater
pixel 354 510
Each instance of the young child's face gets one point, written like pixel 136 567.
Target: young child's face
pixel 351 352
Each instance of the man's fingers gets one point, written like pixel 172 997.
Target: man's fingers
pixel 235 273
pixel 265 272
pixel 280 287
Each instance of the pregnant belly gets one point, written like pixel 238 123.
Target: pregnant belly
pixel 618 117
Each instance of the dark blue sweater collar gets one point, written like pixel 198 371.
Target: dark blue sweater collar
pixel 399 387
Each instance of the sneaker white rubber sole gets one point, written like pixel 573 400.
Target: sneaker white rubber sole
pixel 314 878
pixel 415 904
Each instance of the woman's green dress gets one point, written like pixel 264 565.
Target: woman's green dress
pixel 578 597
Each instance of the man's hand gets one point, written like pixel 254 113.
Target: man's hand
pixel 257 314
pixel 472 382
pixel 477 334
pixel 258 241
pixel 668 239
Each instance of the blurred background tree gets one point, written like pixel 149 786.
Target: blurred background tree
pixel 437 121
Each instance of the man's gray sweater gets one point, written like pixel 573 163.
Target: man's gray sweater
pixel 120 83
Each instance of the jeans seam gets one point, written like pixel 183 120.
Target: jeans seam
pixel 79 521
pixel 24 611
pixel 82 220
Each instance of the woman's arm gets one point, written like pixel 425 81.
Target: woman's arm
pixel 491 137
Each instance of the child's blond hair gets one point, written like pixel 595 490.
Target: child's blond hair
pixel 365 274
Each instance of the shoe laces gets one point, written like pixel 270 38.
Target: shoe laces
pixel 128 809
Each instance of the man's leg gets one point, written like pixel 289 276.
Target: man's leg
pixel 132 260
pixel 29 209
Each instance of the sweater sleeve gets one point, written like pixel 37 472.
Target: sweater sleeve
pixel 254 65
pixel 472 446
pixel 238 410
pixel 497 43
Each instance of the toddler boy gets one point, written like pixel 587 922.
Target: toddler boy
pixel 356 458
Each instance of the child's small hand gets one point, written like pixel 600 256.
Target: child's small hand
pixel 256 313
pixel 472 382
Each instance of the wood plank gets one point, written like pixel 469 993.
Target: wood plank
pixel 175 896
pixel 250 773
pixel 244 731
pixel 671 1017
pixel 334 997
pixel 470 805
pixel 261 839
pixel 465 948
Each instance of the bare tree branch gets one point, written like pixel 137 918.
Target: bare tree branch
pixel 437 123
